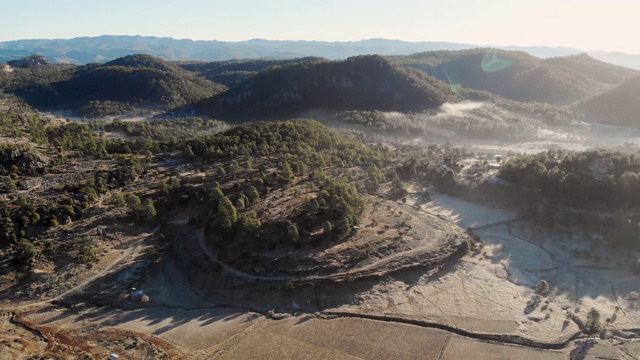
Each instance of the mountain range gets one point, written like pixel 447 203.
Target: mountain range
pixel 557 90
pixel 84 50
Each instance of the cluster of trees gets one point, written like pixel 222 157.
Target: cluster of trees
pixel 303 142
pixel 587 178
pixel 340 204
pixel 589 182
pixel 23 218
pixel 439 164
pixel 19 159
pixel 292 157
pixel 19 121
pixel 144 210
pixel 97 108
pixel 235 228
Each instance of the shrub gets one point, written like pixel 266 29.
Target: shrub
pixel 542 288
pixel 594 323
pixel 25 251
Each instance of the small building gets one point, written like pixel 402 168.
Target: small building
pixel 114 357
pixel 136 294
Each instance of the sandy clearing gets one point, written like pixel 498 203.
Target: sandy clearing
pixel 309 338
pixel 461 348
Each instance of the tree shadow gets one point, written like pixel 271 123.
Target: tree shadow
pixel 581 349
pixel 532 304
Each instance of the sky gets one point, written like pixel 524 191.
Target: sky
pixel 608 25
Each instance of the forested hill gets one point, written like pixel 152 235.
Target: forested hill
pixel 118 86
pixel 519 76
pixel 230 72
pixel 358 83
pixel 620 106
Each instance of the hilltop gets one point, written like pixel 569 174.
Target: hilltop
pixel 118 86
pixel 29 61
pixel 358 83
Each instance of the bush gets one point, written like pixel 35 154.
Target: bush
pixel 90 192
pixel 139 209
pixel 542 288
pixel 25 251
pixel 117 200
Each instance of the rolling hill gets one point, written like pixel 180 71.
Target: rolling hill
pixel 519 76
pixel 358 83
pixel 619 106
pixel 231 72
pixel 117 86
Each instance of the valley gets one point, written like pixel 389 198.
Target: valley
pixel 309 208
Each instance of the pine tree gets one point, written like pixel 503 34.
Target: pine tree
pixel 148 209
pixel 287 173
pixel 253 195
pixel 292 230
pixel 227 210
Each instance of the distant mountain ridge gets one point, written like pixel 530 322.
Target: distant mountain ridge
pixel 83 50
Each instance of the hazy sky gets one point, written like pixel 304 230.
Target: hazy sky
pixel 584 24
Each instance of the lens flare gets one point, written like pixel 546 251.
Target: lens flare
pixel 455 86
pixel 493 62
